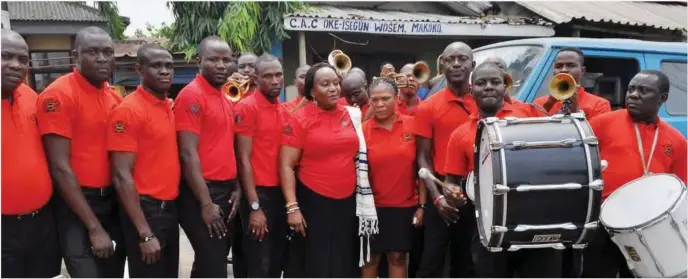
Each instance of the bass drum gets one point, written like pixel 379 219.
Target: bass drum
pixel 651 236
pixel 549 171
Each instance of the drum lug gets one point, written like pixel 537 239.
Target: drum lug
pixel 500 189
pixel 491 120
pixel 579 246
pixel 591 225
pixel 596 185
pixel 499 229
pixel 591 140
pixel 495 145
pixel 495 249
pixel 578 115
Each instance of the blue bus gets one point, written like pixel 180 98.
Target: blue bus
pixel 610 64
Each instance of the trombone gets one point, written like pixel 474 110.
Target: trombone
pixel 562 86
pixel 340 61
pixel 234 89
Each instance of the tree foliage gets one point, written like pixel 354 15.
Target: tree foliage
pixel 110 10
pixel 245 25
pixel 164 31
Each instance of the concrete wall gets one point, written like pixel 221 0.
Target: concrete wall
pixel 48 42
pixel 378 49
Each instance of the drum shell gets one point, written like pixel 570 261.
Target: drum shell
pixel 535 166
pixel 657 248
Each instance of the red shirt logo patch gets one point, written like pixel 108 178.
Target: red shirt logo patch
pixel 667 149
pixel 238 119
pixel 51 105
pixel 194 109
pixel 119 126
pixel 287 130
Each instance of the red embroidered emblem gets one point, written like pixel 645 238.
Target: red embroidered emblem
pixel 119 126
pixel 51 105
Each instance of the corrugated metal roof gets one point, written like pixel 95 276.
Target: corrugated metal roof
pixel 351 13
pixel 661 16
pixel 131 46
pixel 53 11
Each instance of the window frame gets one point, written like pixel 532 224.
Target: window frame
pixel 49 69
pixel 666 104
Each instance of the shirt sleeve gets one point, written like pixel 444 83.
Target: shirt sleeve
pixel 422 122
pixel 188 112
pixel 293 133
pixel 457 163
pixel 245 119
pixel 679 166
pixel 55 113
pixel 537 110
pixel 601 107
pixel 123 129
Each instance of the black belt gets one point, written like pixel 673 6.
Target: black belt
pixel 103 192
pixel 162 204
pixel 24 216
pixel 220 183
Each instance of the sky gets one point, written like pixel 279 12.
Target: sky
pixel 139 12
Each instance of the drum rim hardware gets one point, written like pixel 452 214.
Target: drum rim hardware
pixel 586 147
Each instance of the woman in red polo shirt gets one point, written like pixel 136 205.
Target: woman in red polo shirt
pixel 321 205
pixel 392 163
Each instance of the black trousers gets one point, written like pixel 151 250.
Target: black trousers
pixel 209 253
pixel 438 236
pixel 266 259
pixel 75 241
pixel 526 263
pixel 30 245
pixel 603 259
pixel 331 247
pixel 162 217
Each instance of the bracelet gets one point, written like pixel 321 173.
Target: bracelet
pixel 292 210
pixel 422 206
pixel 290 204
pixel 438 199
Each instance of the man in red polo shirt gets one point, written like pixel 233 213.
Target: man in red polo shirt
pixel 259 120
pixel 435 120
pixel 29 238
pixel 489 92
pixel 299 79
pixel 620 133
pixel 209 192
pixel 142 142
pixel 569 60
pixel 72 118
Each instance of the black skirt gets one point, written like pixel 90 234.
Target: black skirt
pixel 396 230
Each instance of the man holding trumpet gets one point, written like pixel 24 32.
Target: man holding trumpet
pixel 569 61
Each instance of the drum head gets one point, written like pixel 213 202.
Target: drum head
pixel 470 186
pixel 641 201
pixel 483 188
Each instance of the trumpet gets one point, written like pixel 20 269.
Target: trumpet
pixel 562 86
pixel 340 61
pixel 421 72
pixel 235 89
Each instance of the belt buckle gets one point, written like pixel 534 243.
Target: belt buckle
pixel 163 204
pixel 102 192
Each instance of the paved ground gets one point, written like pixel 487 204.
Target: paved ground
pixel 186 257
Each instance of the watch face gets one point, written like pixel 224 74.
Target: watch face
pixel 255 205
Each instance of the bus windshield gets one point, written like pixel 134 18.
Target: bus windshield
pixel 520 61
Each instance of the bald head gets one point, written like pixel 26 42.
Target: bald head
pixel 352 81
pixel 88 33
pixel 358 70
pixel 353 89
pixel 15 61
pixel 457 60
pixel 408 68
pixel 457 46
pixel 213 43
pixel 497 61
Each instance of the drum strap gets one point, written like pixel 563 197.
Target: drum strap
pixel 646 166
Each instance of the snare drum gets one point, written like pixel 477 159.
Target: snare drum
pixel 647 219
pixel 538 182
pixel 470 186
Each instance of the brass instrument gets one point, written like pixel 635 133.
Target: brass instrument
pixel 562 86
pixel 421 72
pixel 439 60
pixel 235 89
pixel 340 61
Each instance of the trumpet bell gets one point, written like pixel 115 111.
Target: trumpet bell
pixel 509 82
pixel 421 72
pixel 234 91
pixel 562 86
pixel 340 61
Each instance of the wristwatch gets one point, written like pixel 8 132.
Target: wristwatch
pixel 146 238
pixel 422 205
pixel 255 206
